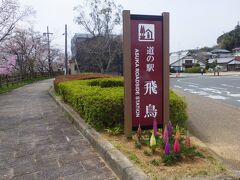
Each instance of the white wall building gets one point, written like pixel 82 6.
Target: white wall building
pixel 181 60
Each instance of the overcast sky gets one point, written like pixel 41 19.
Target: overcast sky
pixel 192 23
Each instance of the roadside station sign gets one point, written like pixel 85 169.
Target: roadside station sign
pixel 146 70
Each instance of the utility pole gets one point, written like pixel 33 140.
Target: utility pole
pixel 178 72
pixel 66 54
pixel 49 57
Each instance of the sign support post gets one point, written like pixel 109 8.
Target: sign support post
pixel 166 69
pixel 127 74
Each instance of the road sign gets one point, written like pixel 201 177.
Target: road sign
pixel 146 70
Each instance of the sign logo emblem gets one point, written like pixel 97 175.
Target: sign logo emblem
pixel 146 32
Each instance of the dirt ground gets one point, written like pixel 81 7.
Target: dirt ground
pixel 199 168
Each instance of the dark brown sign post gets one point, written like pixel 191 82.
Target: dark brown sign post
pixel 146 70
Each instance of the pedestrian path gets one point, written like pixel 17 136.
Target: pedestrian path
pixel 37 141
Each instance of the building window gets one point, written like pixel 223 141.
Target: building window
pixel 188 61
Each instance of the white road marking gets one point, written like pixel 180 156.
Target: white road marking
pixel 227 92
pixel 212 90
pixel 217 93
pixel 180 80
pixel 234 95
pixel 217 97
pixel 193 86
pixel 226 85
pixel 217 88
pixel 201 93
pixel 214 77
pixel 186 89
pixel 176 86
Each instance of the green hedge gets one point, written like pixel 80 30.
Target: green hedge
pixel 178 106
pixel 103 83
pixel 100 101
pixel 194 70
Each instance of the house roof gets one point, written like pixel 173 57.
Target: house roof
pixel 236 49
pixel 237 58
pixel 82 35
pixel 175 56
pixel 206 53
pixel 221 60
pixel 234 62
pixel 218 51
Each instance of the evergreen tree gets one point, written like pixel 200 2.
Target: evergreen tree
pixel 230 40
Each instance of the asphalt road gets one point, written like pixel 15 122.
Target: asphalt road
pixel 222 88
pixel 214 113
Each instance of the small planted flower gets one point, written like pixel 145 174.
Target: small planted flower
pixel 165 135
pixel 153 142
pixel 176 146
pixel 139 133
pixel 167 149
pixel 177 135
pixel 187 142
pixel 170 128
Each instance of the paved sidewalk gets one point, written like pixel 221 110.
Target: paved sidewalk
pixel 38 142
pixel 217 124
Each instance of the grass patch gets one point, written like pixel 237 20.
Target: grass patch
pixel 11 86
pixel 133 157
pixel 155 162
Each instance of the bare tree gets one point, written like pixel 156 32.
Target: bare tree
pixel 100 22
pixel 10 14
pixel 31 51
pixel 23 44
pixel 103 17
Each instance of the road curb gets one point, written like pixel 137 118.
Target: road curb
pixel 120 165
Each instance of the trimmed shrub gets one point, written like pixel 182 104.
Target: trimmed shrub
pixel 100 107
pixel 104 83
pixel 100 102
pixel 104 110
pixel 195 69
pixel 81 76
pixel 172 70
pixel 178 113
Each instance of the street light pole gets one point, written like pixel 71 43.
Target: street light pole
pixel 66 54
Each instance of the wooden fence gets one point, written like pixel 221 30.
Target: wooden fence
pixel 7 80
